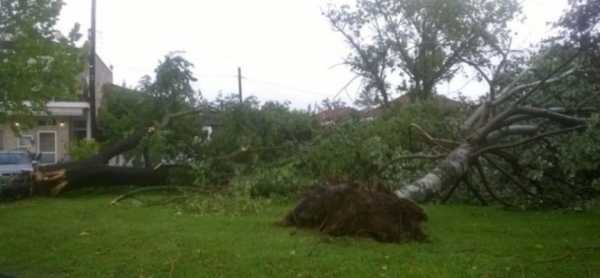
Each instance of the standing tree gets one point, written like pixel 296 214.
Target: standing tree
pixel 580 27
pixel 423 41
pixel 37 63
pixel 333 104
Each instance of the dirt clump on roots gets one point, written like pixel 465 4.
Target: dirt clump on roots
pixel 361 211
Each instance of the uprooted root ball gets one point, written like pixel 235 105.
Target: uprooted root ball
pixel 352 210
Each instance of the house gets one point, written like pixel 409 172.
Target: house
pixel 333 116
pixel 64 123
pixel 337 115
pixel 404 100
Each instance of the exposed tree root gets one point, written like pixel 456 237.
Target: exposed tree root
pixel 352 210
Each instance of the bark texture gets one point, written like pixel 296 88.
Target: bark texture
pixel 448 172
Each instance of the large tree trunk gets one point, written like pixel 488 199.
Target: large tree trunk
pixel 54 179
pixel 448 172
pixel 66 179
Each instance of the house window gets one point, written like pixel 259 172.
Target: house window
pixel 47 147
pixel 79 128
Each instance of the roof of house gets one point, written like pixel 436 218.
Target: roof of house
pixel 406 100
pixel 67 108
pixel 336 115
pixel 68 104
pixel 110 88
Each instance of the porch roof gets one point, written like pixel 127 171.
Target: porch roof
pixel 68 108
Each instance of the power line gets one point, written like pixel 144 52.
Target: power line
pixel 224 76
pixel 463 87
pixel 234 77
pixel 345 87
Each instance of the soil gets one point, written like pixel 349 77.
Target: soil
pixel 361 211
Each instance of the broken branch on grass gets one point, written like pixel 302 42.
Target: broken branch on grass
pixel 181 189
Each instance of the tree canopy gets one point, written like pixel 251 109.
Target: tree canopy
pixel 420 42
pixel 37 63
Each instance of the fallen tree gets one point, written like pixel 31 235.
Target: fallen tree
pixel 94 171
pixel 511 117
pixel 504 121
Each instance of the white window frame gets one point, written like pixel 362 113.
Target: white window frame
pixel 55 144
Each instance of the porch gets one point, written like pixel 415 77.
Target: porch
pixel 50 135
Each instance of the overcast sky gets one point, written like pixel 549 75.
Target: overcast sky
pixel 286 48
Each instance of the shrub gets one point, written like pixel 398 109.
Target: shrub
pixel 212 172
pixel 284 181
pixel 83 149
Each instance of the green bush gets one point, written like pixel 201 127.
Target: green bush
pixel 83 149
pixel 212 172
pixel 278 182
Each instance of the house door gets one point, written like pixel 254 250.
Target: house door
pixel 47 147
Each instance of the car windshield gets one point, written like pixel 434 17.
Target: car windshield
pixel 13 158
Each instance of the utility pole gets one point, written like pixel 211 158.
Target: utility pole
pixel 240 85
pixel 92 69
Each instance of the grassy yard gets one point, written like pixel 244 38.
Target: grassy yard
pixel 84 236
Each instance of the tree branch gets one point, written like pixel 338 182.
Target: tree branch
pixel 529 140
pixel 474 190
pixel 450 193
pixel 536 85
pixel 551 115
pixel 491 125
pixel 7 45
pixel 474 118
pixel 443 143
pixel 487 186
pixel 512 130
pixel 509 176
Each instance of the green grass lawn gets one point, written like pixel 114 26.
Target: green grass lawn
pixel 84 236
